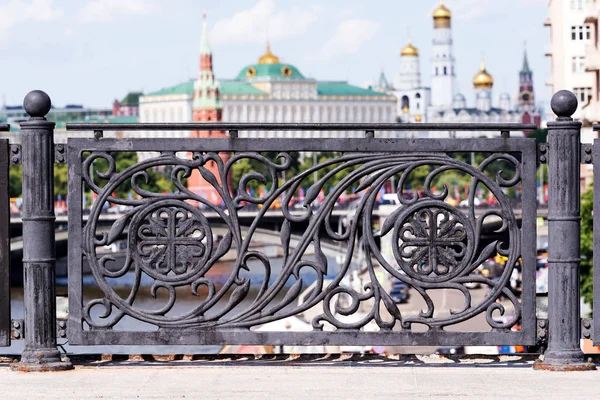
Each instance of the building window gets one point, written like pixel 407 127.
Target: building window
pixel 405 103
pixel 588 32
pixel 584 94
pixel 445 71
pixel 581 32
pixel 418 95
pixel 578 64
pixel 578 5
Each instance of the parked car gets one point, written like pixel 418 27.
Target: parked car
pixel 399 292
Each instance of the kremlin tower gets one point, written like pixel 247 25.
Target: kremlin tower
pixel 206 107
pixel 526 101
pixel 443 79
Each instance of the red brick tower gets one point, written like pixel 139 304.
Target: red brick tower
pixel 206 108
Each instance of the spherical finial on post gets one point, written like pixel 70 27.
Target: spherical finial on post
pixel 564 104
pixel 37 104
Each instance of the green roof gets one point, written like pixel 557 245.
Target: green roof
pixel 132 99
pixel 344 89
pixel 129 119
pixel 281 71
pixel 239 88
pixel 225 87
pixel 182 88
pixel 243 87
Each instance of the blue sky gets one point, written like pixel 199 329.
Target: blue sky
pixel 92 51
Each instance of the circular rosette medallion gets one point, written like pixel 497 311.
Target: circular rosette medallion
pixel 434 241
pixel 170 240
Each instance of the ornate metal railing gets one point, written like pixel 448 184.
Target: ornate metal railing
pixel 177 279
pixel 170 243
pixel 4 242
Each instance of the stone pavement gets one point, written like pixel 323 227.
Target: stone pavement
pixel 377 378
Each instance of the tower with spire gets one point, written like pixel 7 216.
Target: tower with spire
pixel 443 80
pixel 526 97
pixel 530 113
pixel 206 107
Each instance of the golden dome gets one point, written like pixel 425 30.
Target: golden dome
pixel 268 57
pixel 418 118
pixel 409 50
pixel 442 12
pixel 482 79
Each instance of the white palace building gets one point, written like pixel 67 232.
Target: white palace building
pixel 267 91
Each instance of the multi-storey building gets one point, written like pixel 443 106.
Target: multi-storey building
pixel 575 61
pixel 129 106
pixel 14 115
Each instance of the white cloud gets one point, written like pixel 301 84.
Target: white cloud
pixel 349 36
pixel 17 12
pixel 262 21
pixel 467 10
pixel 107 10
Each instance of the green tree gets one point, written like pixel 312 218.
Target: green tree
pixel 539 135
pixel 247 165
pixel 159 179
pixel 15 181
pixel 61 180
pixel 587 245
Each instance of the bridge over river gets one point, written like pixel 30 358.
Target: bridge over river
pixel 269 225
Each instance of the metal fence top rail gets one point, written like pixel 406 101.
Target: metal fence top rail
pixel 4 127
pixel 500 127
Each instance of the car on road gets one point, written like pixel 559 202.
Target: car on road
pixel 399 292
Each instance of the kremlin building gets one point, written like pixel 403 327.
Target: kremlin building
pixel 442 102
pixel 271 90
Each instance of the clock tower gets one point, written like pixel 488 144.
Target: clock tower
pixel 530 114
pixel 526 84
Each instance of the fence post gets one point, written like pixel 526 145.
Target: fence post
pixel 40 353
pixel 564 351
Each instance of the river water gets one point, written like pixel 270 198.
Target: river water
pixel 218 274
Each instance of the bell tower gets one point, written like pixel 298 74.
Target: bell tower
pixel 443 79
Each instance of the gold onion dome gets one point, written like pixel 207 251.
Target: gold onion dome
pixel 442 12
pixel 409 50
pixel 268 57
pixel 482 79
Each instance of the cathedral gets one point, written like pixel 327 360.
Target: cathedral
pixel 442 102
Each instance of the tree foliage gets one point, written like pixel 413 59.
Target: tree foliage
pixel 247 165
pixel 587 245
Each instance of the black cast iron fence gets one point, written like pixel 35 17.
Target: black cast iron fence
pixel 170 244
pixel 4 242
pixel 182 280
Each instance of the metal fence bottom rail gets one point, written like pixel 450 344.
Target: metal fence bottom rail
pixel 324 360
